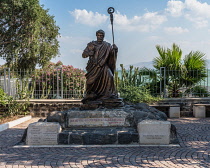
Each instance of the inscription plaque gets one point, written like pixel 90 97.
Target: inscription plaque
pixel 43 133
pixel 96 122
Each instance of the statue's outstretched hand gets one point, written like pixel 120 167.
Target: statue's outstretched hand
pixel 90 46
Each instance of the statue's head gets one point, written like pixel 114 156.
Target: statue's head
pixel 100 31
pixel 100 35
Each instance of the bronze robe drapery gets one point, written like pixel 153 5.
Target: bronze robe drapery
pixel 100 72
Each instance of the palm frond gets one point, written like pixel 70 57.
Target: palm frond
pixel 195 61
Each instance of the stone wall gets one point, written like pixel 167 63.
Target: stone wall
pixel 40 108
pixel 43 109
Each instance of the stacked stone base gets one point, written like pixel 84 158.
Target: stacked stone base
pixel 99 136
pixel 126 125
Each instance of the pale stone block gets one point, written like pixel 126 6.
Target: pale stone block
pixel 199 111
pixel 154 132
pixel 174 112
pixel 43 133
pixel 194 111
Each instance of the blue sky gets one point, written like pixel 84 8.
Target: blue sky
pixel 139 25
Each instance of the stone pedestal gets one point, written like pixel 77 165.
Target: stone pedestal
pixel 199 111
pixel 112 126
pixel 43 133
pixel 154 132
pixel 174 112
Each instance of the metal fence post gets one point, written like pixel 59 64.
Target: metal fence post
pixel 61 79
pixel 7 88
pixel 207 79
pixel 164 81
pixel 57 96
pixel 61 82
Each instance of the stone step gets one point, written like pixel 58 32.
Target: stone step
pixel 99 136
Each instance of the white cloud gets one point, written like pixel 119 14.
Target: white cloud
pixel 199 22
pixel 198 8
pixel 145 23
pixel 199 13
pixel 175 8
pixel 88 18
pixel 121 19
pixel 194 7
pixel 154 18
pixel 175 30
pixel 148 22
pixel 194 11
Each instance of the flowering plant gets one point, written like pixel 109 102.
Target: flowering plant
pixel 56 80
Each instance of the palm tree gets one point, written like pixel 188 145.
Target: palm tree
pixel 194 67
pixel 168 58
pixel 179 73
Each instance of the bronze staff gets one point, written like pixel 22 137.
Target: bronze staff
pixel 111 11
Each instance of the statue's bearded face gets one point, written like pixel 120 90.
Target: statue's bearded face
pixel 100 37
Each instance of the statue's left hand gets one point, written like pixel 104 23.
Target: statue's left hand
pixel 115 47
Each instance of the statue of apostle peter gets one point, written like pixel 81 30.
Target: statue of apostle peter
pixel 100 69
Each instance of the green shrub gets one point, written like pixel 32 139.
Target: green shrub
pixel 130 85
pixel 136 94
pixel 16 108
pixel 199 91
pixel 11 106
pixel 3 97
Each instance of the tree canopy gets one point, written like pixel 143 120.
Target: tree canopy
pixel 28 34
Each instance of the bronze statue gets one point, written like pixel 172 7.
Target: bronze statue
pixel 100 69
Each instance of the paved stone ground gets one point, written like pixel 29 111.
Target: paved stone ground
pixel 193 134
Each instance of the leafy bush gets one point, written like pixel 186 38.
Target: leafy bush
pixel 3 97
pixel 130 85
pixel 136 94
pixel 11 106
pixel 17 108
pixel 199 91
